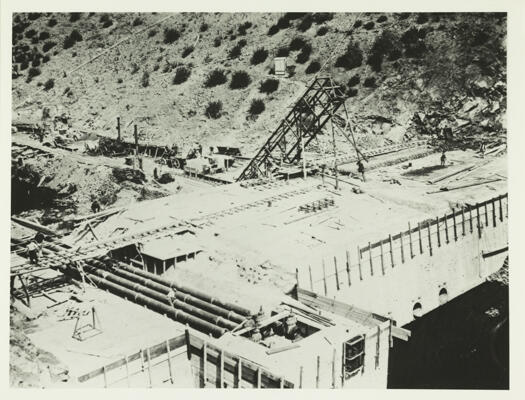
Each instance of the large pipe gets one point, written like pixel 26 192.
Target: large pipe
pixel 159 307
pixel 162 298
pixel 193 292
pixel 186 298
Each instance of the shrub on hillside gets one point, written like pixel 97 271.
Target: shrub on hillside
pixel 52 22
pixel 30 33
pixel 352 58
pixel 320 18
pixel 269 86
pixel 304 55
pixel 75 34
pixel 134 68
pixel 215 78
pixel 35 62
pixel 48 45
pixel 383 46
pixel 305 23
pixel 68 42
pixel 152 32
pixel 403 16
pixel 297 43
pixel 422 18
pixel 283 23
pixel 240 80
pixel 256 107
pixel 217 42
pixel 43 35
pixel 187 51
pixel 283 52
pixel 50 83
pixel 323 30
pixel 235 51
pixel 313 67
pixel 351 92
pixel 369 82
pixel 294 15
pixel 354 80
pixel 171 35
pixel 214 109
pixel 203 27
pixel 34 40
pixel 368 25
pixel 34 16
pixel 74 16
pixel 46 58
pixel 358 23
pixel 32 73
pixel 24 65
pixel 137 21
pixel 244 27
pixel 181 75
pixel 259 56
pixel 145 79
pixel 382 19
pixel 273 30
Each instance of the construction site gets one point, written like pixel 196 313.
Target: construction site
pixel 319 230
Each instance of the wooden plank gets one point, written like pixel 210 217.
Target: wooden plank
pixel 204 364
pixel 455 227
pixel 149 369
pixel 311 280
pixel 401 333
pixel 169 360
pixel 391 251
pixel 324 280
pixel 276 350
pixel 370 258
pixel 437 231
pixel 336 274
pixel 419 236
pixel 463 221
pixel 348 268
pixel 410 241
pixel 401 246
pixel 317 372
pixel 359 263
pixel 382 258
pixel 429 240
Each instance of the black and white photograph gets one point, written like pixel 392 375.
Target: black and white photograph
pixel 259 200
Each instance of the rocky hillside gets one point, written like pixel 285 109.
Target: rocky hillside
pixel 209 77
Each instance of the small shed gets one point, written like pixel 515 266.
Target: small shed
pixel 161 254
pixel 280 66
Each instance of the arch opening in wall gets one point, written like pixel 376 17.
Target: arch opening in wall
pixel 443 296
pixel 417 310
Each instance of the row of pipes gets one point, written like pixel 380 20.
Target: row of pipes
pixel 189 306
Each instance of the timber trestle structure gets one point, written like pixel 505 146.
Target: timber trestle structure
pixel 306 119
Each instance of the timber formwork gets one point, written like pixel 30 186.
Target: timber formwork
pixel 302 124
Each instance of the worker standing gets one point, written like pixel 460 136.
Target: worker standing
pixel 95 207
pixel 361 169
pixel 172 297
pixel 443 158
pixel 33 251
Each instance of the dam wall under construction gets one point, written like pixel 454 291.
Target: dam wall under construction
pixel 411 273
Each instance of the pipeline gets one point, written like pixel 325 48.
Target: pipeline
pixel 196 293
pixel 149 297
pixel 162 308
pixel 186 298
pixel 161 297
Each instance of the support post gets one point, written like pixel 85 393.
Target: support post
pixel 419 236
pixel 105 376
pixel 500 209
pixel 127 371
pixel 336 274
pixel 297 276
pixel 377 347
pixel 333 369
pixel 486 214
pixel 317 373
pixel 470 218
pixel 446 228
pixel 324 280
pixel 478 219
pixel 370 257
pixel 301 377
pixel 222 371
pixel 359 263
pixel 402 247
pixel 391 251
pixel 410 241
pixel 463 221
pixel 311 280
pixel 348 268
pixel 136 136
pixel 258 377
pixel 204 363
pixel 493 213
pixel 188 344
pixel 239 373
pixel 382 257
pixel 429 239
pixel 455 228
pixel 169 361
pixel 438 233
pixel 118 129
pixel 149 368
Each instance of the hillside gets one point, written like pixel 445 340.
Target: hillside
pixel 404 73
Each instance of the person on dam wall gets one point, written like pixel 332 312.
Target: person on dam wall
pixel 34 248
